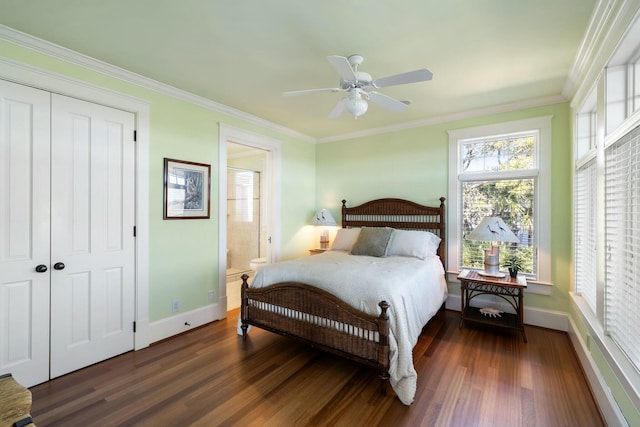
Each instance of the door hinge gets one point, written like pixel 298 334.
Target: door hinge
pixel 134 231
pixel 134 327
pixel 135 136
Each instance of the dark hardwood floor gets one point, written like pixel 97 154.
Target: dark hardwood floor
pixel 208 377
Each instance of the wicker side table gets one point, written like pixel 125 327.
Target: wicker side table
pixel 510 290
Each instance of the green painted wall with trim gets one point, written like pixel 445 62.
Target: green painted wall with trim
pixel 413 164
pixel 183 254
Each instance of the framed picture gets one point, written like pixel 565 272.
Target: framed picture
pixel 187 188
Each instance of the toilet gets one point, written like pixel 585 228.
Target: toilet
pixel 257 263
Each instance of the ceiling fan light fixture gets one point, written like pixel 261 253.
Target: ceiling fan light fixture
pixel 357 83
pixel 356 106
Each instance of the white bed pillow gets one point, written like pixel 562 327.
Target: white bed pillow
pixel 345 238
pixel 413 243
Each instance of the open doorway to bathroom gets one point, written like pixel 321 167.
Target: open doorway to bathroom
pixel 249 207
pixel 247 232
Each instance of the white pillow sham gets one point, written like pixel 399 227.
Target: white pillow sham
pixel 345 238
pixel 413 243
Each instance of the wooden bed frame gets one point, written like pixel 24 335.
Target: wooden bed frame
pixel 320 319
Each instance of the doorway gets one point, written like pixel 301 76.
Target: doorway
pixel 247 219
pixel 249 180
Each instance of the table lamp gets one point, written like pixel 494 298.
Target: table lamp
pixel 492 229
pixel 324 218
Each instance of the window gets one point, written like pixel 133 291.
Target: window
pixel 501 170
pixel 585 232
pixel 622 239
pixel 586 125
pixel 607 214
pixel 243 190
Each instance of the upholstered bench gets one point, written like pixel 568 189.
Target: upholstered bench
pixel 15 403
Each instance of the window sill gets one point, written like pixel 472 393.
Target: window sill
pixel 533 286
pixel 623 370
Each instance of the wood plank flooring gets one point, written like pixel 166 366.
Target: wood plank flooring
pixel 208 377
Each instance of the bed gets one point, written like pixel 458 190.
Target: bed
pixel 366 307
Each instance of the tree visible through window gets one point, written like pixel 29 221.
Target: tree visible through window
pixel 498 178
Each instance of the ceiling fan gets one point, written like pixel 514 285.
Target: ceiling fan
pixel 356 83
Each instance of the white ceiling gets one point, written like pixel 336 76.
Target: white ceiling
pixel 245 53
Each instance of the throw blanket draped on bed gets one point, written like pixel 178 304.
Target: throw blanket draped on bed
pixel 414 288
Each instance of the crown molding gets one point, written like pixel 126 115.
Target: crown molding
pixel 593 34
pixel 36 44
pixel 609 22
pixel 67 55
pixel 469 114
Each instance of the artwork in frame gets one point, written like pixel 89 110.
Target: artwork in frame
pixel 187 188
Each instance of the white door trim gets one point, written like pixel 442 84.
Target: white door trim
pixel 274 148
pixel 43 79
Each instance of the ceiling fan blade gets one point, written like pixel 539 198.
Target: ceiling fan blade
pixel 308 91
pixel 338 109
pixel 388 102
pixel 342 67
pixel 400 79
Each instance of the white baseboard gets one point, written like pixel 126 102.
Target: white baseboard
pixel 601 391
pixel 182 322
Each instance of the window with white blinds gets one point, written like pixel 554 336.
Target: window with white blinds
pixel 585 229
pixel 622 244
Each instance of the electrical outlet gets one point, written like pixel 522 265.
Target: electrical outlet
pixel 175 306
pixel 211 296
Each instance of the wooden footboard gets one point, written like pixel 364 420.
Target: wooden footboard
pixel 319 319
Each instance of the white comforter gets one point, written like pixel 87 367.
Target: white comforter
pixel 414 288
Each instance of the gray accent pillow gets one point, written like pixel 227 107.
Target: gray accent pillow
pixel 372 241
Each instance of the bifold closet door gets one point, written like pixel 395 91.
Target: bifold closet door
pixel 24 232
pixel 92 241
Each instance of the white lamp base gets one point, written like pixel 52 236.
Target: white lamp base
pixel 324 239
pixel 492 262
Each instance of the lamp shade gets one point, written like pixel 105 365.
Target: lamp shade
pixel 323 217
pixel 493 229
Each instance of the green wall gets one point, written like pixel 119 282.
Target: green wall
pixel 413 164
pixel 183 254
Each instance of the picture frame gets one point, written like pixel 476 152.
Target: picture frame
pixel 187 189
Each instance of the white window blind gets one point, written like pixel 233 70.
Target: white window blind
pixel 585 229
pixel 622 239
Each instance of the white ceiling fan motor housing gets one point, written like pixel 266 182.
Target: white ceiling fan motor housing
pixel 363 80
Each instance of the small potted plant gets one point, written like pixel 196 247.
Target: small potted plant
pixel 513 262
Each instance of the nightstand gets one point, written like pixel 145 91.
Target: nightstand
pixel 317 251
pixel 509 289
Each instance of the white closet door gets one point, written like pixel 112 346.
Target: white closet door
pixel 24 233
pixel 92 243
